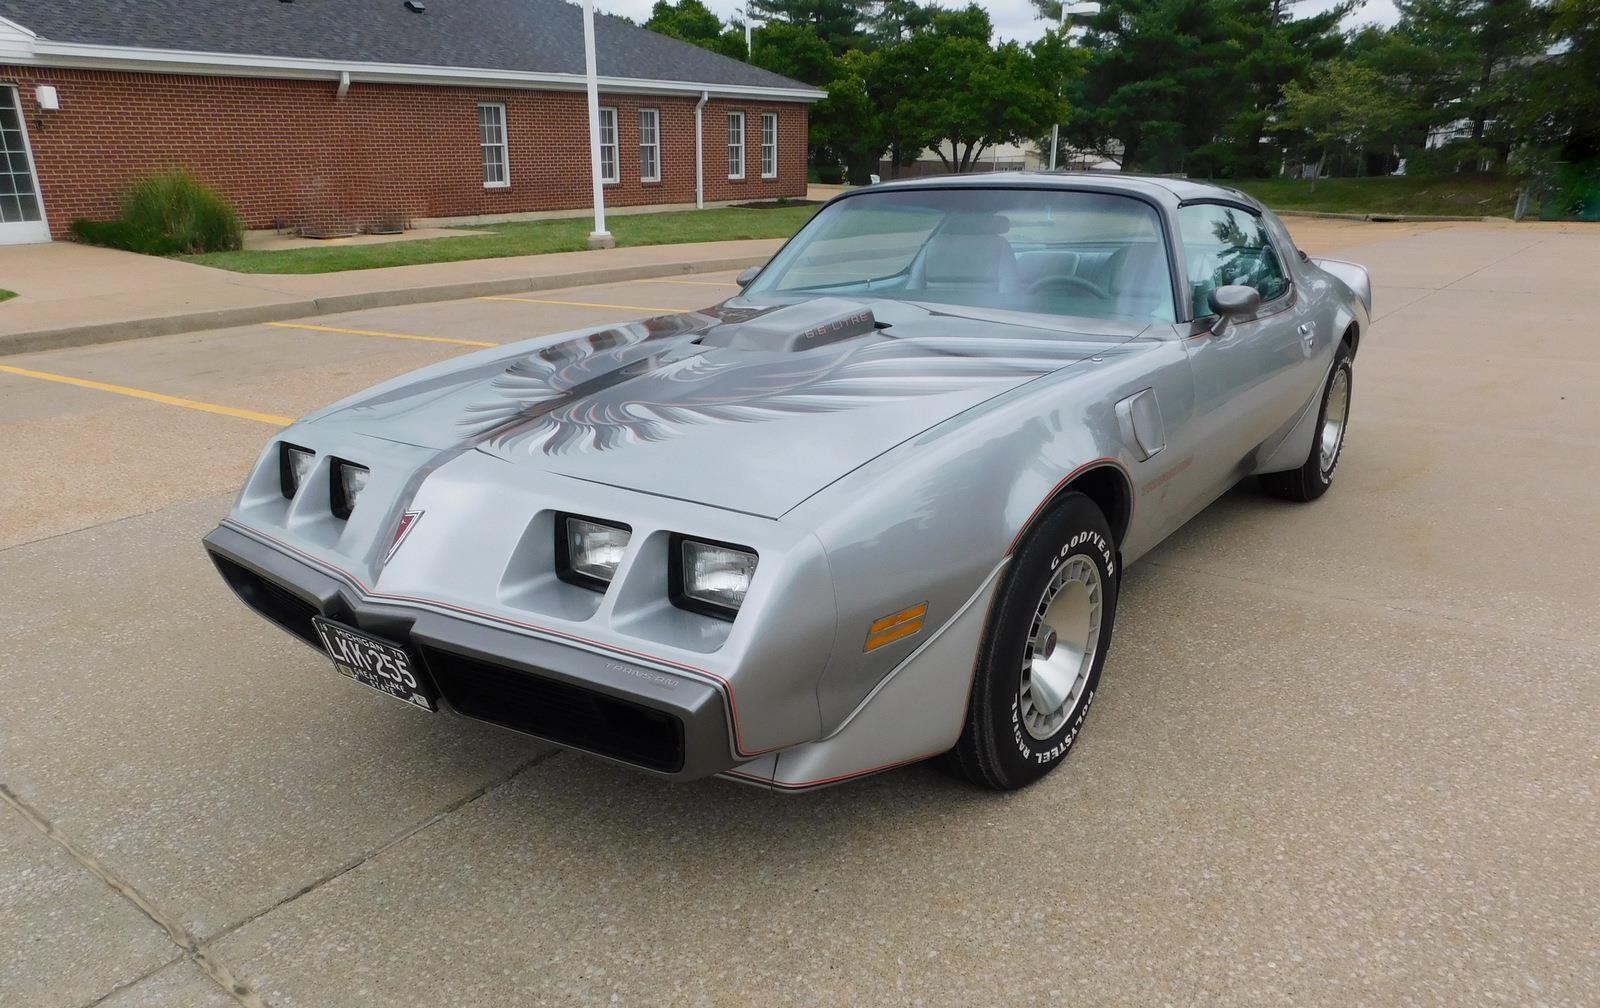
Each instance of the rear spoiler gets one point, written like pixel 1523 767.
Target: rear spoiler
pixel 1355 277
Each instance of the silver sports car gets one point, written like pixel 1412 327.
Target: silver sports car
pixel 871 510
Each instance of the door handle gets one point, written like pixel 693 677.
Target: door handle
pixel 1307 329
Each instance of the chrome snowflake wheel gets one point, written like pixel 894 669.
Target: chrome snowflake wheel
pixel 1061 647
pixel 1337 412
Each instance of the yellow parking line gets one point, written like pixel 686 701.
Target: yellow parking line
pixel 585 304
pixel 691 283
pixel 380 332
pixel 159 397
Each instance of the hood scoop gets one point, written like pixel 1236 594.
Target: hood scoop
pixel 795 327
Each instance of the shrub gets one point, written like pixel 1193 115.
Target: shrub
pixel 1574 192
pixel 183 208
pixel 124 235
pixel 830 174
pixel 167 214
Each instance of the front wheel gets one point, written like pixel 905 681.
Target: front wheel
pixel 1315 475
pixel 1039 664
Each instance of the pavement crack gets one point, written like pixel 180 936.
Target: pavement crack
pixel 1488 265
pixel 81 528
pixel 136 981
pixel 392 842
pixel 214 968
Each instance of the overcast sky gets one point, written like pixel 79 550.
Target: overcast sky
pixel 1013 19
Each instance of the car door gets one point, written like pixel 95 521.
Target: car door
pixel 1247 373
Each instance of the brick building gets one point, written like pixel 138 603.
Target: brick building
pixel 340 113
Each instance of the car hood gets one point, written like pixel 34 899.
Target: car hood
pixel 751 408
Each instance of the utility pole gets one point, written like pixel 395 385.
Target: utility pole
pixel 599 237
pixel 1068 10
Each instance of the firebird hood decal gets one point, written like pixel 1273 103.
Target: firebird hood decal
pixel 647 406
pixel 665 395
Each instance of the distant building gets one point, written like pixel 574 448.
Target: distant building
pixel 362 112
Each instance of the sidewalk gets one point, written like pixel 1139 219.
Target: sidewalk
pixel 71 294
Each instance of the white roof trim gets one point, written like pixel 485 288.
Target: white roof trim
pixel 102 57
pixel 6 22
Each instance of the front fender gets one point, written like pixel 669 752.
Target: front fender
pixel 930 521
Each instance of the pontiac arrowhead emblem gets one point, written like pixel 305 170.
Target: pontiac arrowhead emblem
pixel 407 521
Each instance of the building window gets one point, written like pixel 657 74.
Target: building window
pixel 649 145
pixel 609 171
pixel 496 153
pixel 736 145
pixel 769 145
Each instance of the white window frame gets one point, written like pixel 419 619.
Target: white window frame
pixel 653 146
pixel 735 160
pixel 503 146
pixel 769 144
pixel 615 146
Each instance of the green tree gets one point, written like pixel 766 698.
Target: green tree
pixel 1196 85
pixel 897 20
pixel 1560 113
pixel 1344 108
pixel 964 95
pixel 1465 61
pixel 692 21
pixel 1163 78
pixel 1276 48
pixel 847 126
pixel 1577 26
pixel 836 22
pixel 795 51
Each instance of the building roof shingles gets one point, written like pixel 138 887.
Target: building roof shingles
pixel 539 36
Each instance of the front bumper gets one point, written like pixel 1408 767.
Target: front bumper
pixel 654 720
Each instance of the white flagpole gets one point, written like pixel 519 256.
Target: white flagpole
pixel 600 237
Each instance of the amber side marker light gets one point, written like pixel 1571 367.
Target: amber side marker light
pixel 895 626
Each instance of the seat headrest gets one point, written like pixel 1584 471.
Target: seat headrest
pixel 977 224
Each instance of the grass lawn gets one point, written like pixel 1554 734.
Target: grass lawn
pixel 1446 196
pixel 522 238
pixel 6 295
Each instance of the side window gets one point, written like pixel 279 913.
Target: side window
pixel 736 145
pixel 609 170
pixel 1226 245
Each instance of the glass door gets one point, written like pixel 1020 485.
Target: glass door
pixel 21 210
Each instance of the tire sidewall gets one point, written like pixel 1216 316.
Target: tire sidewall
pixel 1075 528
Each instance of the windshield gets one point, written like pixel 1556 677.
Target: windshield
pixel 1092 255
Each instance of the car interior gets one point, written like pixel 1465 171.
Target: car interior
pixel 1105 260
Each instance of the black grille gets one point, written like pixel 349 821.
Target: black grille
pixel 565 714
pixel 272 600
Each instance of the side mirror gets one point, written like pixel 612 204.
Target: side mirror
pixel 1235 301
pixel 743 279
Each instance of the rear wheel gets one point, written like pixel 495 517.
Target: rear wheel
pixel 1315 475
pixel 1039 664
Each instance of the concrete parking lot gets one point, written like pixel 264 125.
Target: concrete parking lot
pixel 1345 753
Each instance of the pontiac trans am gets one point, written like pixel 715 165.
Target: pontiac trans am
pixel 873 509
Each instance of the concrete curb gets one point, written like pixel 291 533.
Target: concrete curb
pixel 223 318
pixel 1383 218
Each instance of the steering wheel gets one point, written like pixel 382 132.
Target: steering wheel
pixel 1068 280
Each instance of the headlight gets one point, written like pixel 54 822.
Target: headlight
pixel 712 578
pixel 294 467
pixel 349 480
pixel 588 551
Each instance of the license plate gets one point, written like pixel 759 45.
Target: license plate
pixel 373 662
